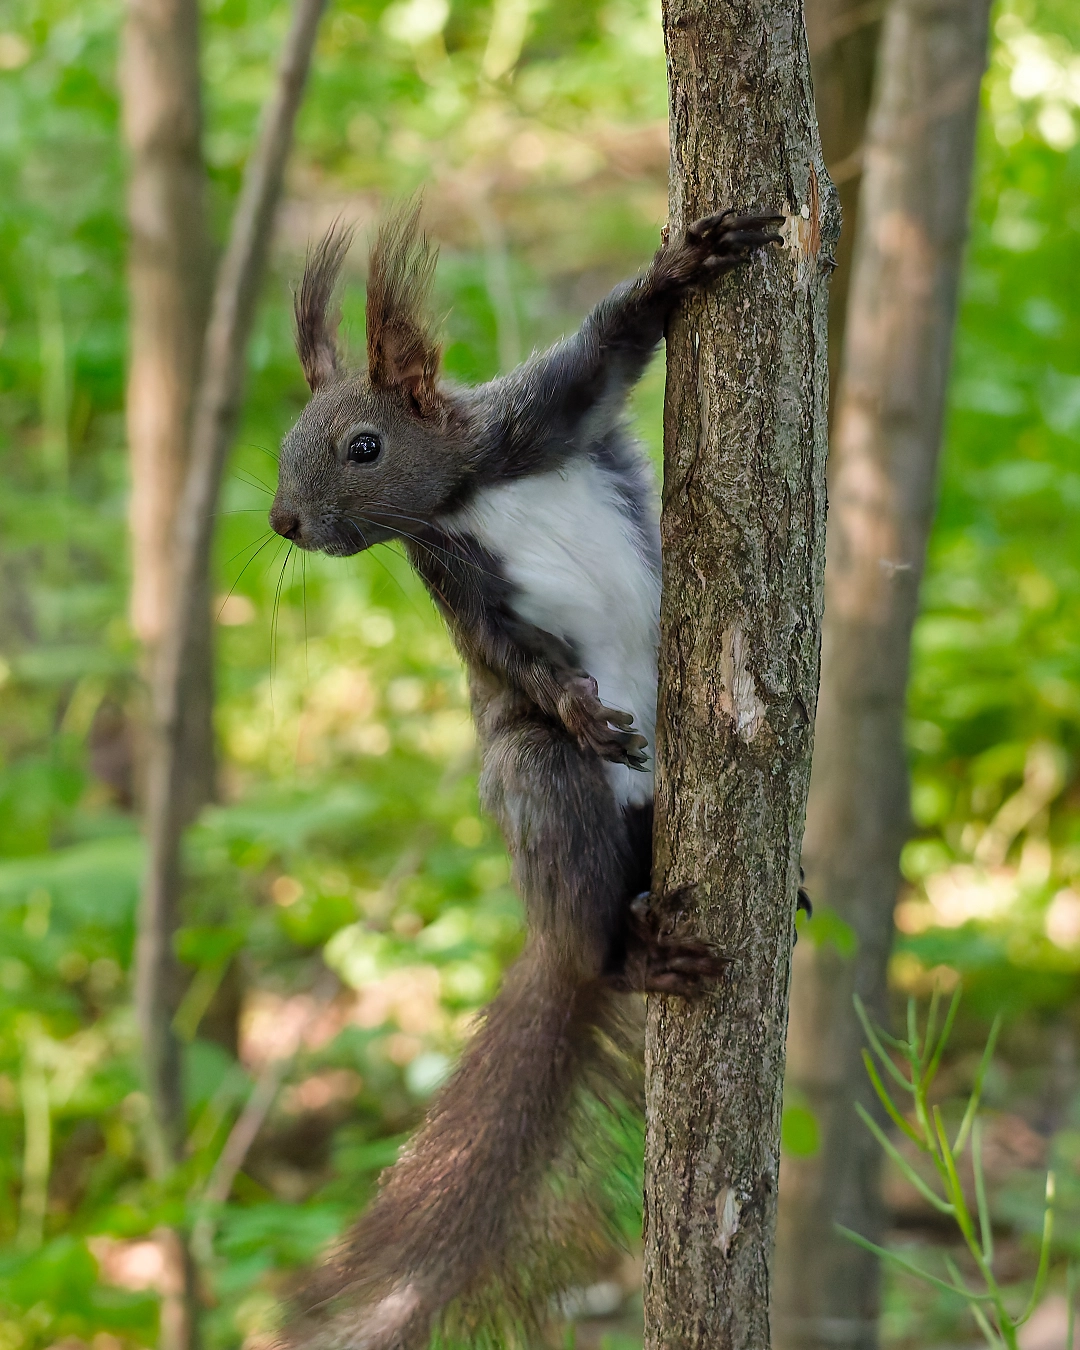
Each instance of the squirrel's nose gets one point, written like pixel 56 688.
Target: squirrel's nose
pixel 286 523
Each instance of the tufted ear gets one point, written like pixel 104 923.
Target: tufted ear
pixel 403 355
pixel 316 322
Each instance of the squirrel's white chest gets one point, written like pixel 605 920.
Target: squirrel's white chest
pixel 579 571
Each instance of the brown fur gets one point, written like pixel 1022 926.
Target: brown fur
pixel 470 1227
pixel 316 323
pixel 403 356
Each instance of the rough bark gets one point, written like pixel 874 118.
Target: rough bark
pixel 843 36
pixel 178 672
pixel 743 531
pixel 887 432
pixel 170 272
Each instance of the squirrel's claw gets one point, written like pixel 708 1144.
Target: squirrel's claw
pixel 725 239
pixel 608 732
pixel 662 963
pixel 725 227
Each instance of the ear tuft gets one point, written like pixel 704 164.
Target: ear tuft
pixel 316 322
pixel 403 354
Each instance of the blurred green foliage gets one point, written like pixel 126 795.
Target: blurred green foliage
pixel 348 834
pixel 995 692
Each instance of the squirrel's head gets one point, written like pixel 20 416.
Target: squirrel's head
pixel 377 452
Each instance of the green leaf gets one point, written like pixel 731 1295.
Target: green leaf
pixel 905 1167
pixel 976 1092
pixel 887 1102
pixel 910 1266
pixel 872 1036
pixel 986 1228
pixel 963 1218
pixel 1044 1252
pixel 208 945
pixel 828 929
pixel 800 1135
pixel 946 1030
pixel 983 1322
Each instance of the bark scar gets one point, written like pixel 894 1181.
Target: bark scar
pixel 738 696
pixel 728 1209
pixel 801 230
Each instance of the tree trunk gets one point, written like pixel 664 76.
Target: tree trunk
pixel 743 529
pixel 170 272
pixel 843 36
pixel 887 431
pixel 180 671
pixel 169 278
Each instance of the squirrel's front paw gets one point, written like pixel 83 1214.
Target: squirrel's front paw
pixel 726 239
pixel 607 731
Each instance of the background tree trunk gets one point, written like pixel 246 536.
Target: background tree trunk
pixel 180 670
pixel 743 529
pixel 217 408
pixel 843 36
pixel 887 431
pixel 170 274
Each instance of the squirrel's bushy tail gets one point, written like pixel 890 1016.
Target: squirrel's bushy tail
pixel 472 1221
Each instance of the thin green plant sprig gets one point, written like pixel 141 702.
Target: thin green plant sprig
pixel 924 1126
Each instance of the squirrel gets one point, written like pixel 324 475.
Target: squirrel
pixel 528 511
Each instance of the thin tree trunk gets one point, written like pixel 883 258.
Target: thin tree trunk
pixel 170 268
pixel 170 273
pixel 217 406
pixel 887 432
pixel 844 36
pixel 743 529
pixel 179 670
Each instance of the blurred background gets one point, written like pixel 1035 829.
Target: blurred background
pixel 349 908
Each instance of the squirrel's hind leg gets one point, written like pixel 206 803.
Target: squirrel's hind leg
pixel 572 852
pixel 579 860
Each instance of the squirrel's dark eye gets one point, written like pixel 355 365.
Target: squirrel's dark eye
pixel 364 448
